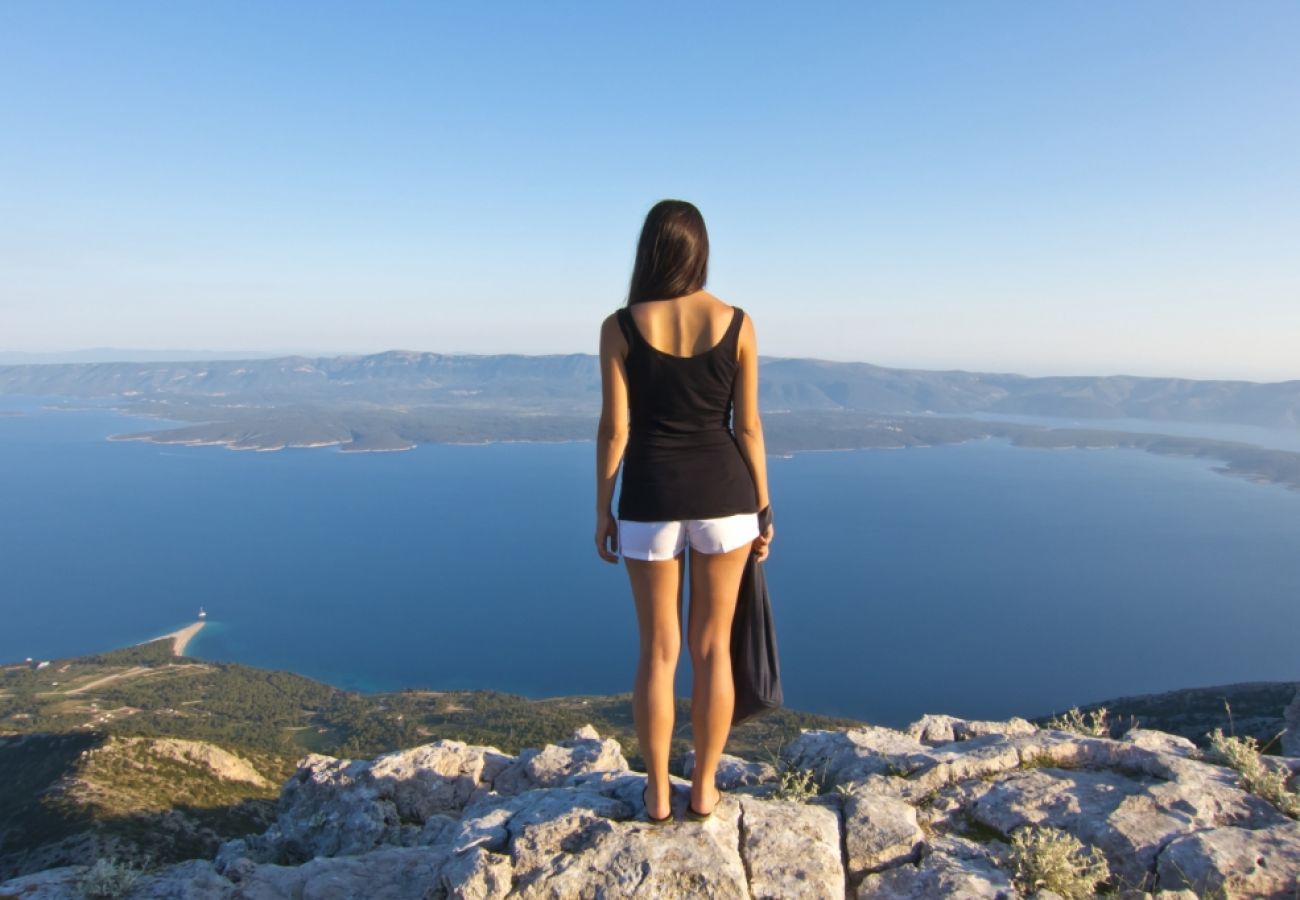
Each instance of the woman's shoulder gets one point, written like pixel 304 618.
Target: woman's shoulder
pixel 612 332
pixel 723 307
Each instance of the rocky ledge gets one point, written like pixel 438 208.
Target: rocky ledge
pixel 926 812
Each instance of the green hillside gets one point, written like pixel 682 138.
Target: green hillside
pixel 88 746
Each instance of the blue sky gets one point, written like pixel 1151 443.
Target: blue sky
pixel 1067 187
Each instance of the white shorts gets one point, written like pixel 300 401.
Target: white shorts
pixel 665 540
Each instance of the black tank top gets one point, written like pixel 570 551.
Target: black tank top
pixel 682 460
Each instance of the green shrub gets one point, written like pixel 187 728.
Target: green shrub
pixel 1263 781
pixel 1094 725
pixel 793 783
pixel 107 880
pixel 1049 859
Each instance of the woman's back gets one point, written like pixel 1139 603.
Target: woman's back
pixel 684 326
pixel 682 460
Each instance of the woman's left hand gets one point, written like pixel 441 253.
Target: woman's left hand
pixel 762 544
pixel 607 537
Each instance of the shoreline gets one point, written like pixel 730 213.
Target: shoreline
pixel 180 638
pixel 234 444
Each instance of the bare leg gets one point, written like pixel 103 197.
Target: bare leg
pixel 657 589
pixel 715 584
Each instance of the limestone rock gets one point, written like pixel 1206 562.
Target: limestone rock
pixel 941 872
pixel 900 815
pixel 842 756
pixel 933 728
pixel 1128 817
pixel 790 849
pixel 940 729
pixel 494 822
pixel 389 873
pixel 608 858
pixel 1234 861
pixel 1291 718
pixel 333 807
pixel 435 778
pixel 477 875
pixel 194 879
pixel 1162 740
pixel 51 884
pixel 733 771
pixel 879 831
pixel 557 763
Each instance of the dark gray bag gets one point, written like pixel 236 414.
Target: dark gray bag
pixel 755 668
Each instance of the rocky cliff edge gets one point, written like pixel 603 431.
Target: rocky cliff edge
pixel 873 812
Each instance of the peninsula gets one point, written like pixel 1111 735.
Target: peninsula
pixel 398 400
pixel 180 638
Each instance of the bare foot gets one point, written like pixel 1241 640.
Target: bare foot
pixel 705 797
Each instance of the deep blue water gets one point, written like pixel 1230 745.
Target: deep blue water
pixel 975 579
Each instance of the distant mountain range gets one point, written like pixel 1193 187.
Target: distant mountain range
pixel 571 384
pixel 396 400
pixel 126 354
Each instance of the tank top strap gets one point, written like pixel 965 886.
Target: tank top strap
pixel 732 337
pixel 625 325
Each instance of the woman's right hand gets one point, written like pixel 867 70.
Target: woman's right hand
pixel 607 537
pixel 761 544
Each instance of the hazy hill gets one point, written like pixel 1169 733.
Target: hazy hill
pixel 572 383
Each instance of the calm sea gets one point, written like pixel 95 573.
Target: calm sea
pixel 975 579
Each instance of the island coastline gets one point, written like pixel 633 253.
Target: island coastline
pixel 180 638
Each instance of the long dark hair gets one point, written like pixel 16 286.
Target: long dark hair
pixel 672 256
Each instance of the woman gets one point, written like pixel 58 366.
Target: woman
pixel 677 361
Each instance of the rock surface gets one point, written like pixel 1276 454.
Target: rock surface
pixel 1291 719
pixel 928 811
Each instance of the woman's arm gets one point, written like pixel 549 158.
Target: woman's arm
pixel 611 434
pixel 746 422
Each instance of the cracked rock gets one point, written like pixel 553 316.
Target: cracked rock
pixel 939 874
pixel 1234 861
pixel 879 832
pixel 790 849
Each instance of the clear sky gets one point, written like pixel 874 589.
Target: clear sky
pixel 1041 187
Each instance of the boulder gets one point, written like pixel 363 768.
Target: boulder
pixel 608 858
pixel 1234 862
pixel 940 729
pixel 388 873
pixel 1162 741
pixel 335 807
pixel 879 831
pixel 733 771
pixel 555 764
pixel 843 756
pixel 949 868
pixel 790 849
pixel 1128 817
